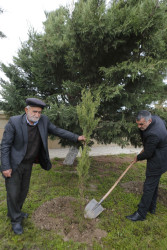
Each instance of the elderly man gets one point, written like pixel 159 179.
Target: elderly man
pixel 154 137
pixel 25 142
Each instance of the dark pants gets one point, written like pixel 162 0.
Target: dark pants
pixel 150 193
pixel 17 188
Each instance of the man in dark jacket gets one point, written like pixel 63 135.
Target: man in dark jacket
pixel 154 137
pixel 25 141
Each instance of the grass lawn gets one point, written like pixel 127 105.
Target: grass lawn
pixel 62 181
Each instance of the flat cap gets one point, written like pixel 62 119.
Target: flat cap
pixel 34 102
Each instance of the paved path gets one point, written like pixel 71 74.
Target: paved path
pixel 97 150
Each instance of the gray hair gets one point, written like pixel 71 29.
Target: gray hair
pixel 143 114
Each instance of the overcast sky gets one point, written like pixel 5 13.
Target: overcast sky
pixel 18 17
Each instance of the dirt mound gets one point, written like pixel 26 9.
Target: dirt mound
pixel 64 215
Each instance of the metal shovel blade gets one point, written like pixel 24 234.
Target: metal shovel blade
pixel 93 209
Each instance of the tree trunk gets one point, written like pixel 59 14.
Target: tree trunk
pixel 71 156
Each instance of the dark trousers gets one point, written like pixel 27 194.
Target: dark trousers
pixel 150 193
pixel 17 188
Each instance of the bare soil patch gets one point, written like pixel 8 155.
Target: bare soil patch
pixel 103 164
pixel 137 188
pixel 61 215
pixel 114 159
pixel 106 159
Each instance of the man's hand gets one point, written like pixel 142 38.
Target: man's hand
pixel 81 138
pixel 135 159
pixel 7 173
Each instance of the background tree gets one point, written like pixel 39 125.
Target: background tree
pixel 123 51
pixel 2 35
pixel 120 50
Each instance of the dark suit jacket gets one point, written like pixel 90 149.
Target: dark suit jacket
pixel 15 140
pixel 155 147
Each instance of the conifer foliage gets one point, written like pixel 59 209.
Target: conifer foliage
pixel 119 49
pixel 2 35
pixel 86 111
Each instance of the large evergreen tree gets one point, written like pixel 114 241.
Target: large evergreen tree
pixel 2 35
pixel 120 50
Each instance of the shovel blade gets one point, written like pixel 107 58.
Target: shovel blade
pixel 93 209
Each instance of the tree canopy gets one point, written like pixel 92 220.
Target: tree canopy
pixel 119 49
pixel 2 35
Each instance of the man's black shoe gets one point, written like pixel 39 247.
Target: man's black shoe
pixel 24 215
pixel 17 228
pixel 135 217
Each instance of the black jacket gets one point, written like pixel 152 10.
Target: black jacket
pixel 15 140
pixel 154 140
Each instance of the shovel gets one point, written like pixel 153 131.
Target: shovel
pixel 93 208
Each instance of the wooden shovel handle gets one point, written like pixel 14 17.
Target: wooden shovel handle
pixel 111 189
